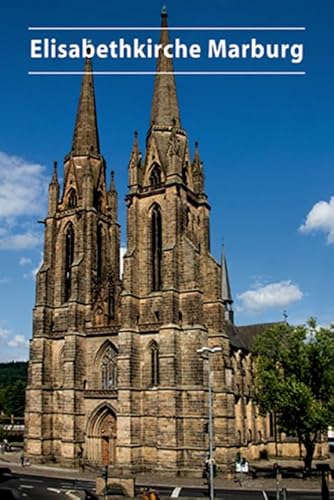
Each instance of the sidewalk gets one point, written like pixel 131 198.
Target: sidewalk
pixel 12 460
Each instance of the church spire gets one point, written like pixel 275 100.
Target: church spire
pixel 165 109
pixel 85 137
pixel 54 179
pixel 226 294
pixel 53 192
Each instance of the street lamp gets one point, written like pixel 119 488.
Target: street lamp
pixel 206 353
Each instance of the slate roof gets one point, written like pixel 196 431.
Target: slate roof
pixel 242 337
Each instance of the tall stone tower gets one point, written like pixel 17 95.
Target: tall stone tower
pixel 77 293
pixel 114 373
pixel 172 301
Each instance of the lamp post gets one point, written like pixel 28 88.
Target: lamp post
pixel 206 353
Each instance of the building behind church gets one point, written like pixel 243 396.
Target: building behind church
pixel 114 373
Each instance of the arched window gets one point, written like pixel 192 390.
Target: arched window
pixel 155 375
pixel 69 257
pixel 98 200
pixel 155 177
pixel 99 254
pixel 185 174
pixel 109 369
pixel 156 248
pixel 111 302
pixel 71 199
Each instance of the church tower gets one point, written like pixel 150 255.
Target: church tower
pixel 77 293
pixel 172 301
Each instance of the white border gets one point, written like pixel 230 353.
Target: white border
pixel 155 28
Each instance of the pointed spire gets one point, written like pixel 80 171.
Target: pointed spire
pixel 112 182
pixel 226 294
pixel 165 109
pixel 53 192
pixel 134 164
pixel 113 197
pixel 197 159
pixel 135 146
pixel 198 174
pixel 85 137
pixel 54 179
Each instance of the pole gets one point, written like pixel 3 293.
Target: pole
pixel 106 473
pixel 277 484
pixel 212 493
pixel 206 353
pixel 275 434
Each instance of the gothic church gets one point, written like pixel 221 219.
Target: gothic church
pixel 114 373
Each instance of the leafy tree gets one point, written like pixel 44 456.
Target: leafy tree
pixel 13 379
pixel 294 378
pixel 12 371
pixel 15 399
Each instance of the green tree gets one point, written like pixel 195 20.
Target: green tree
pixel 14 400
pixel 294 378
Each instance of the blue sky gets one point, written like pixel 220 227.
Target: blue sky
pixel 266 142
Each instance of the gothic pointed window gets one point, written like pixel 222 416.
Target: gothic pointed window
pixel 99 254
pixel 109 369
pixel 156 248
pixel 98 200
pixel 155 375
pixel 185 175
pixel 155 177
pixel 111 301
pixel 71 199
pixel 69 257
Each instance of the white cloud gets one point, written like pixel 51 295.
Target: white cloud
pixel 18 341
pixel 20 241
pixel 321 218
pixel 272 295
pixel 22 186
pixel 23 189
pixel 32 273
pixel 13 347
pixel 4 333
pixel 24 261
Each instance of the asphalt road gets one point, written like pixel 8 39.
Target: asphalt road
pixel 49 488
pixel 38 487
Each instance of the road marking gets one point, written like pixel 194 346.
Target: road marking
pixel 54 490
pixel 30 480
pixel 27 486
pixel 265 496
pixel 176 492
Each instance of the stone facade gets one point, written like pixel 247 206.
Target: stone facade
pixel 114 373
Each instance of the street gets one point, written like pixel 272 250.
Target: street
pixel 30 486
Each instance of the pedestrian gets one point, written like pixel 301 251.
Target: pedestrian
pixel 22 459
pixel 144 494
pixel 153 495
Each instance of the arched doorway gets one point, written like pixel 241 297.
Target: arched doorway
pixel 101 436
pixel 108 439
